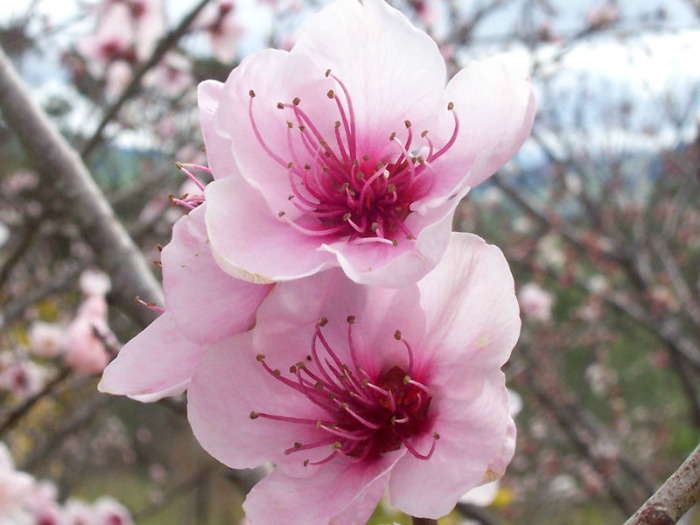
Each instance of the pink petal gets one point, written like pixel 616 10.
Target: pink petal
pixel 397 266
pixel 393 71
pixel 340 493
pixel 205 302
pixel 273 76
pixel 229 384
pixel 496 108
pixel 471 288
pixel 472 432
pixel 250 242
pixel 156 363
pixel 219 149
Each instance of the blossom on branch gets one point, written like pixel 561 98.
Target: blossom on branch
pixel 351 149
pixel 350 389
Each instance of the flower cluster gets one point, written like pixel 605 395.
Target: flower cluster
pixel 26 501
pixel 318 310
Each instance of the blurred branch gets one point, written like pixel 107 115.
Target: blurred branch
pixel 15 415
pixel 168 42
pixel 20 249
pixel 675 497
pixel 14 308
pixel 76 194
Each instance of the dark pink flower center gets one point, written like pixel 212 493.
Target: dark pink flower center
pixel 363 417
pixel 348 193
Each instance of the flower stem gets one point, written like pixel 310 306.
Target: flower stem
pixel 424 521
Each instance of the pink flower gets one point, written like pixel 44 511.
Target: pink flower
pixel 46 339
pixel 350 389
pixel 352 151
pixel 111 41
pixel 203 305
pixel 223 31
pixel 86 335
pixel 22 377
pixel 535 302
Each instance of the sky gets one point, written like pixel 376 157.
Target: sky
pixel 639 66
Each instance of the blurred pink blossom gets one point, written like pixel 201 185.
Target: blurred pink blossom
pixel 94 282
pixel 219 22
pixel 350 161
pixel 350 389
pixel 22 377
pixel 86 336
pixel 46 339
pixel 535 302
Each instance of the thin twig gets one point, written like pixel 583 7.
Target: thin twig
pixel 15 415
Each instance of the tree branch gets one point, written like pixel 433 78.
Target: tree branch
pixel 76 194
pixel 675 497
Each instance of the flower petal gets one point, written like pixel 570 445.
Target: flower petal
pixel 205 302
pixel 230 384
pixel 472 433
pixel 471 288
pixel 356 490
pixel 219 149
pixel 404 264
pixel 250 242
pixel 158 362
pixel 496 108
pixel 393 71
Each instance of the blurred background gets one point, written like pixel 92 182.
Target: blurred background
pixel 598 215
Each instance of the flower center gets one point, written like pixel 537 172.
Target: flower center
pixel 363 418
pixel 348 193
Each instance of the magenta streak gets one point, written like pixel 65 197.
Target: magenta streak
pixel 358 417
pixel 450 142
pixel 345 434
pixel 262 143
pixel 309 446
pixel 413 451
pixel 351 112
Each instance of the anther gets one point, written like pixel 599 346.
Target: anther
pixel 407 123
pixel 424 134
pixel 337 123
pixel 394 242
pixel 347 216
pixel 397 335
pixel 178 164
pixel 406 379
pixel 260 357
pixel 280 105
pixel 297 445
pixel 296 101
pixel 251 93
pixel 159 247
pixel 323 322
pixel 328 73
pixel 290 125
pixel 330 94
pixel 365 157
pixel 374 227
pixel 392 136
pixel 292 369
pixel 276 372
pixel 253 415
pixel 351 319
pixel 450 106
pixel 281 214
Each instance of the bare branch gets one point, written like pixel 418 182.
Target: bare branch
pixel 675 497
pixel 76 194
